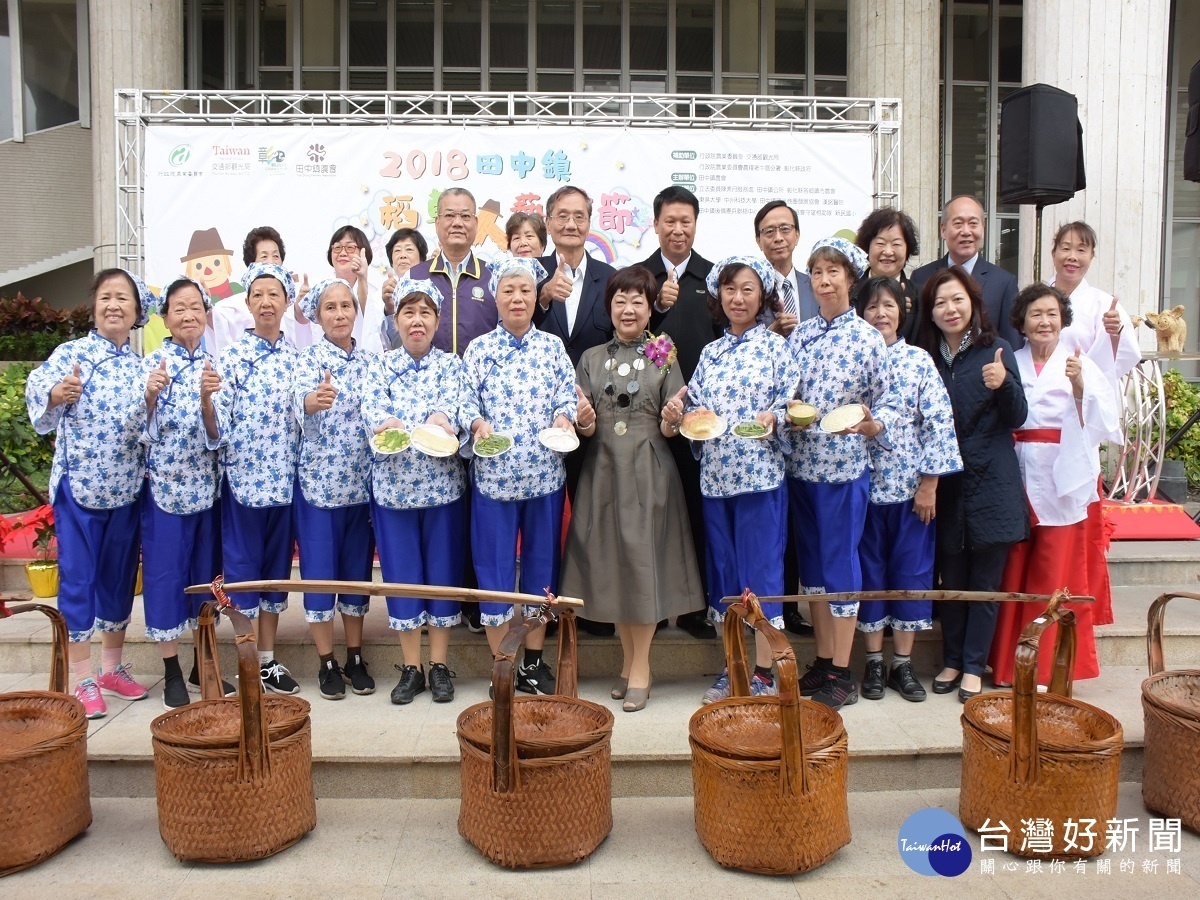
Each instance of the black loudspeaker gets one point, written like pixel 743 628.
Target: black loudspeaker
pixel 1191 139
pixel 1041 146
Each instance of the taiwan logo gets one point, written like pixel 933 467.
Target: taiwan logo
pixel 933 842
pixel 271 159
pixel 180 155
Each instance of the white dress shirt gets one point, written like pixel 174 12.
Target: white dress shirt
pixel 572 301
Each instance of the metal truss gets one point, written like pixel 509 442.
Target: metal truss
pixel 1144 423
pixel 136 109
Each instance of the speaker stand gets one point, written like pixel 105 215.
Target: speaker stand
pixel 1037 245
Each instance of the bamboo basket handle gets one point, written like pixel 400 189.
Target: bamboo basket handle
pixel 735 649
pixel 1023 753
pixel 207 663
pixel 1154 629
pixel 58 651
pixel 504 729
pixel 568 655
pixel 793 769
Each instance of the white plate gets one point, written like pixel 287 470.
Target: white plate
pixel 391 452
pixel 511 444
pixel 432 440
pixel 842 418
pixel 722 427
pixel 558 439
pixel 750 437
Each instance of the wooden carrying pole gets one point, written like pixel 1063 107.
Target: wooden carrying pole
pixel 385 589
pixel 971 596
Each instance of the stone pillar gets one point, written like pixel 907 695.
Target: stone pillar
pixel 1112 55
pixel 893 52
pixel 134 44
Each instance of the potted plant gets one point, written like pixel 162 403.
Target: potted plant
pixel 43 571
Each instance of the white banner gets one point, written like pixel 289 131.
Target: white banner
pixel 307 182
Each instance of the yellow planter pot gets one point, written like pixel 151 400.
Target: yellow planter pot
pixel 43 577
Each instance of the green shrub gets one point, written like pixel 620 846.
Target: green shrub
pixel 31 329
pixel 1183 399
pixel 29 451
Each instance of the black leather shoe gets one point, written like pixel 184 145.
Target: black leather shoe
pixel 697 625
pixel 945 687
pixel 964 695
pixel 872 683
pixel 902 680
pixel 794 623
pixel 599 629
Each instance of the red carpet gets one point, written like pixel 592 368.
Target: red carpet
pixel 1153 521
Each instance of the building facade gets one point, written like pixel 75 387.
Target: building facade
pixel 950 62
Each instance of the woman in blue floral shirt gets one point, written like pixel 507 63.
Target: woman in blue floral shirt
pixel 898 538
pixel 747 374
pixel 520 381
pixel 260 435
pixel 333 524
pixel 90 392
pixel 418 500
pixel 179 515
pixel 843 361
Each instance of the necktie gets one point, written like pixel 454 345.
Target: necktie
pixel 789 297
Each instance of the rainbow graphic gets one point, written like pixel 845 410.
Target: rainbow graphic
pixel 603 247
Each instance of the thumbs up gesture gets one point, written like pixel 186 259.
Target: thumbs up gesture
pixel 585 416
pixel 322 398
pixel 672 412
pixel 157 380
pixel 669 292
pixel 210 382
pixel 1074 371
pixel 994 372
pixel 69 389
pixel 558 287
pixel 1112 319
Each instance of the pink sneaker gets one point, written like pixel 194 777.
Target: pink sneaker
pixel 87 692
pixel 118 683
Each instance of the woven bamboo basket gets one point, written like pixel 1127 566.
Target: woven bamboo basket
pixel 769 773
pixel 536 773
pixel 44 798
pixel 1028 755
pixel 1171 711
pixel 233 777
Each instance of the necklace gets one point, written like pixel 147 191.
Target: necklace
pixel 629 371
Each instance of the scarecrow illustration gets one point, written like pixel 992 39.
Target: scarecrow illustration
pixel 209 262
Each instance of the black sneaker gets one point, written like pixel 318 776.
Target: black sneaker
pixel 412 682
pixel 470 614
pixel 356 674
pixel 814 676
pixel 697 625
pixel 794 623
pixel 276 678
pixel 439 683
pixel 175 692
pixel 331 680
pixel 903 681
pixel 873 680
pixel 536 679
pixel 837 691
pixel 193 684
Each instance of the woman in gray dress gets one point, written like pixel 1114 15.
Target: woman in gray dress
pixel 629 550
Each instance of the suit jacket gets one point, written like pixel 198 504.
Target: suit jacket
pixel 592 325
pixel 689 322
pixel 999 291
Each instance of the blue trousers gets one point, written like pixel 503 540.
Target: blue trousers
pixel 256 545
pixel 335 545
pixel 897 555
pixel 827 524
pixel 421 546
pixel 495 525
pixel 97 563
pixel 744 538
pixel 177 550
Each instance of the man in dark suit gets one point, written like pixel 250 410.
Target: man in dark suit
pixel 962 233
pixel 777 232
pixel 682 312
pixel 571 298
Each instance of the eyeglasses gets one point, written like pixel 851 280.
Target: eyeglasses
pixel 783 230
pixel 563 218
pixel 457 216
pixel 344 248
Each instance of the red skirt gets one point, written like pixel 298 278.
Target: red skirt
pixel 1051 559
pixel 1099 536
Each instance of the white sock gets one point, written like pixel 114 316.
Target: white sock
pixel 265 656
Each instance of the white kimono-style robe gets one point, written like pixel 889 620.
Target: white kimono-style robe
pixel 1060 479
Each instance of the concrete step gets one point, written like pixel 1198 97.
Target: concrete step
pixel 363 746
pixel 381 848
pixel 1155 562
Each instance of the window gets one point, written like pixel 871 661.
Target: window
pixel 40 66
pixel 1181 250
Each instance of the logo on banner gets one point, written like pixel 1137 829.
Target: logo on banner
pixel 272 160
pixel 316 153
pixel 180 155
pixel 933 842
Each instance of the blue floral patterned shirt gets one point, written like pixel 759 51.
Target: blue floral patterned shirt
pixel 259 430
pixel 335 453
pixel 412 390
pixel 519 385
pixel 98 445
pixel 922 433
pixel 738 378
pixel 841 361
pixel 182 461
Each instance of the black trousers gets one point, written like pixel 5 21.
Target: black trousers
pixel 967 627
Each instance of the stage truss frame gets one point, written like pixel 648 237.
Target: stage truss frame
pixel 138 109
